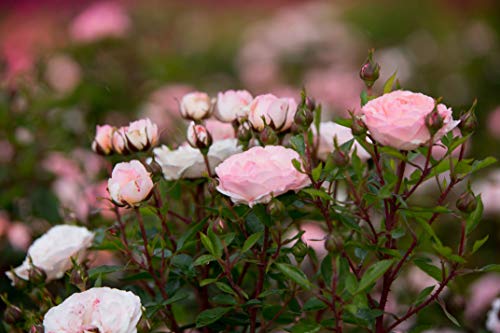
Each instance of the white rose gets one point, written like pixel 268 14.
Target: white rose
pixel 95 310
pixel 187 162
pixel 196 105
pixel 53 251
pixel 232 105
pixel 330 130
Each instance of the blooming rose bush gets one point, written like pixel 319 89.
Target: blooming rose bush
pixel 267 219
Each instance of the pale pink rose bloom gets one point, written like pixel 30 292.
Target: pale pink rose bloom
pixel 494 123
pixel 63 73
pixel 197 135
pixel 6 151
pixel 19 236
pixel 103 141
pixel 62 166
pixel 259 174
pixel 219 130
pixel 52 252
pixel 330 130
pixel 119 141
pixel 130 183
pixel 493 319
pixel 70 193
pixel 339 91
pixel 481 293
pixel 100 20
pixel 397 119
pixel 196 105
pixel 232 105
pixel 90 163
pixel 95 310
pixel 278 112
pixel 141 134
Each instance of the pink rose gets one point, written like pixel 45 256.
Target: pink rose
pixel 219 130
pixel 277 112
pixel 196 105
pixel 397 119
pixel 198 136
pixel 95 310
pixel 130 183
pixel 232 105
pixel 141 135
pixel 103 141
pixel 330 130
pixel 119 141
pixel 481 293
pixel 100 20
pixel 259 174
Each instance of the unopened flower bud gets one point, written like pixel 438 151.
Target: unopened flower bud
pixel 141 135
pixel 434 121
pixel 12 314
pixel 370 70
pixel 198 136
pixel 36 329
pixel 212 186
pixel 103 141
pixel 268 136
pixel 196 106
pixel 339 158
pixel 468 121
pixel 300 250
pixel 310 104
pixel 79 277
pixel 119 141
pixel 303 117
pixel 358 127
pixel 17 281
pixel 333 245
pixel 467 202
pixel 244 132
pixel 275 208
pixel 36 275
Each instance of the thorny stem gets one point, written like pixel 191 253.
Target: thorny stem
pixel 260 280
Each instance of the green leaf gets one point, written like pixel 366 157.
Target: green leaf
pixel 225 288
pixel 313 304
pixel 422 296
pixel 491 268
pixel 297 142
pixel 316 172
pixel 250 241
pixel 373 273
pixel 306 327
pixel 479 243
pixel 93 272
pixel 389 83
pixel 210 316
pixel 178 296
pixel 449 315
pixel 364 97
pixel 326 269
pixel 294 274
pixel 474 218
pixel 478 165
pixel 216 242
pixel 193 230
pixel 207 282
pixel 207 243
pixel 431 270
pixel 204 259
pixel 297 165
pixel 317 193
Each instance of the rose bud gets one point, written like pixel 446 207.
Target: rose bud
pixel 304 116
pixel 434 121
pixel 120 141
pixel 275 208
pixel 141 135
pixel 468 121
pixel 79 277
pixel 36 329
pixel 12 314
pixel 103 141
pixel 370 70
pixel 130 183
pixel 339 158
pixel 299 250
pixel 333 245
pixel 467 202
pixel 37 275
pixel 198 136
pixel 358 127
pixel 196 106
pixel 244 132
pixel 232 105
pixel 278 113
pixel 268 136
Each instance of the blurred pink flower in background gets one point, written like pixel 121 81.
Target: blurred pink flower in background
pixel 314 236
pixel 63 73
pixel 338 90
pixel 493 123
pixel 481 293
pixel 219 130
pixel 100 20
pixel 6 151
pixel 489 188
pixel 19 235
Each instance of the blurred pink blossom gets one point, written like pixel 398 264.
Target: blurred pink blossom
pixel 219 130
pixel 61 166
pixel 100 20
pixel 481 293
pixel 314 236
pixel 6 151
pixel 494 123
pixel 63 73
pixel 489 188
pixel 19 236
